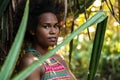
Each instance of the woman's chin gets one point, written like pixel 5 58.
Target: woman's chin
pixel 52 44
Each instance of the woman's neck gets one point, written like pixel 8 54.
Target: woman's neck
pixel 40 50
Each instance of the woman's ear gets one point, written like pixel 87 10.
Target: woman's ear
pixel 32 32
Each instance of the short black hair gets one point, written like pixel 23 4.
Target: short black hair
pixel 36 8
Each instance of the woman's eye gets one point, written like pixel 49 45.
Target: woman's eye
pixel 46 26
pixel 56 26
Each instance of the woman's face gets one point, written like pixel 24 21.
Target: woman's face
pixel 47 31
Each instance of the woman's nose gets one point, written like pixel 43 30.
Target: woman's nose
pixel 52 30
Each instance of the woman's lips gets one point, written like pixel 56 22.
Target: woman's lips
pixel 52 39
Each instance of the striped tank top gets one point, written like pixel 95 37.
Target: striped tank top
pixel 54 70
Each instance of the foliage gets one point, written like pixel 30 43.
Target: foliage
pixel 81 46
pixel 96 50
pixel 3 5
pixel 12 57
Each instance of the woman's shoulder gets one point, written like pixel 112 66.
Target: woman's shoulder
pixel 28 59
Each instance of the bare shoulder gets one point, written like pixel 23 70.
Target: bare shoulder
pixel 27 59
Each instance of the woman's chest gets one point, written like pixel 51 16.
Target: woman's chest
pixel 54 70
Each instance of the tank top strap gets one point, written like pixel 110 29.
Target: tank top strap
pixel 33 51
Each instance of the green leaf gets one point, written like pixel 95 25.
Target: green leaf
pixel 97 47
pixel 3 6
pixel 12 57
pixel 95 19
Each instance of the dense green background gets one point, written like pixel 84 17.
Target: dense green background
pixel 80 50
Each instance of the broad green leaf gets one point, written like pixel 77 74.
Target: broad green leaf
pixel 97 47
pixel 93 20
pixel 12 57
pixel 3 6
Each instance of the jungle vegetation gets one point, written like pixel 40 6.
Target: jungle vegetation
pixel 90 38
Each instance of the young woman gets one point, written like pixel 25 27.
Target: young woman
pixel 42 32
